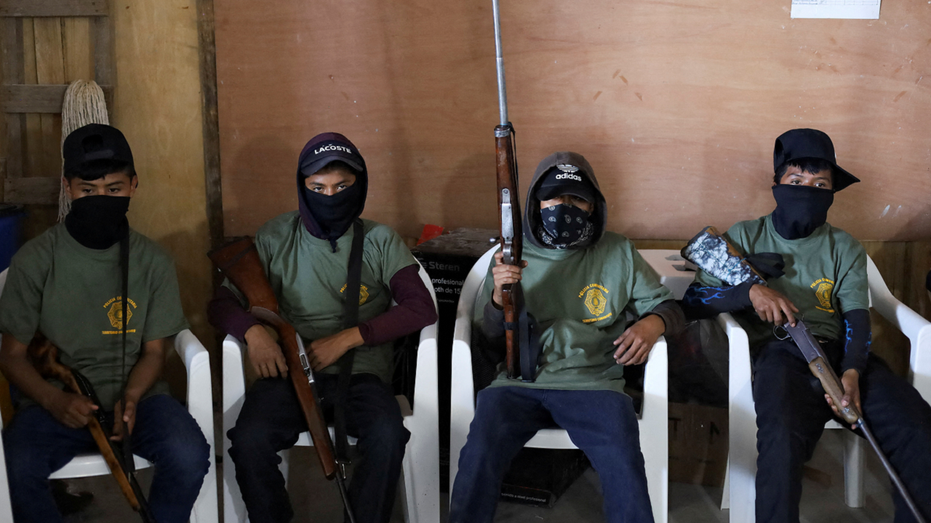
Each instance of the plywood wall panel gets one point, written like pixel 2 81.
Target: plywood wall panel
pixel 158 108
pixel 675 104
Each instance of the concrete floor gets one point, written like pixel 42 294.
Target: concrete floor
pixel 317 500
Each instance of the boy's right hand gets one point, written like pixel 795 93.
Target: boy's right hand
pixel 264 354
pixel 504 275
pixel 72 410
pixel 771 305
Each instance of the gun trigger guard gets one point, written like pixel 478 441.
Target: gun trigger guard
pixel 776 333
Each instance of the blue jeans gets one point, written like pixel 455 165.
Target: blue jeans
pixel 271 420
pixel 36 445
pixel 602 424
pixel 791 413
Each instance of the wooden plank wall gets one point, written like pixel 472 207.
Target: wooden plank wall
pixel 55 51
pixel 675 104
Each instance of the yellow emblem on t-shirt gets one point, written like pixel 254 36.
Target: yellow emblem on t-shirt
pixel 363 293
pixel 115 315
pixel 823 288
pixel 595 301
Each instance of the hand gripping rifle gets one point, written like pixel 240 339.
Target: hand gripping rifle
pixel 239 262
pixel 516 322
pixel 712 253
pixel 821 368
pixel 44 357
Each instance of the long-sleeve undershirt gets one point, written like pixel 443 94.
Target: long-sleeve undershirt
pixel 414 311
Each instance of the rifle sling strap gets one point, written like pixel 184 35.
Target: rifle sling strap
pixel 350 320
pixel 126 445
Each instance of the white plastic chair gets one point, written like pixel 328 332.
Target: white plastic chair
pixel 654 422
pixel 740 484
pixel 200 406
pixel 421 466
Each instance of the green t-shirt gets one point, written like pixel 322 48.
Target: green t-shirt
pixel 309 280
pixel 825 275
pixel 73 295
pixel 583 300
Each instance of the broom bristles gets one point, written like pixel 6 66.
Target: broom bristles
pixel 84 104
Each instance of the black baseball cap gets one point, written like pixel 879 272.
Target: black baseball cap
pixel 562 179
pixel 326 148
pixel 800 144
pixel 95 142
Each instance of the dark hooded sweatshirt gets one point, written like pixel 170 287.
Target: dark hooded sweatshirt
pixel 583 299
pixel 307 270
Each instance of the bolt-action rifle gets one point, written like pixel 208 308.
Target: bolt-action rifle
pixel 239 262
pixel 517 334
pixel 43 355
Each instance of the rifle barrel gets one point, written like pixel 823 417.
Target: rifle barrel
pixel 892 473
pixel 502 89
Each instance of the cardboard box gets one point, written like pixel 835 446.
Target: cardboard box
pixel 697 444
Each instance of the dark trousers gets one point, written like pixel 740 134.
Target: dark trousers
pixel 271 420
pixel 36 445
pixel 791 412
pixel 602 424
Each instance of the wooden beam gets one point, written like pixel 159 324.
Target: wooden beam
pixel 43 8
pixel 12 42
pixel 103 53
pixel 208 82
pixel 38 190
pixel 45 99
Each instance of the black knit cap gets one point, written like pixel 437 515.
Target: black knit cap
pixel 95 142
pixel 801 144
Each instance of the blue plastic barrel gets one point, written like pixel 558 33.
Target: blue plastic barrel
pixel 11 232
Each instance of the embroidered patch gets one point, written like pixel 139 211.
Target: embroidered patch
pixel 363 293
pixel 114 308
pixel 823 288
pixel 595 301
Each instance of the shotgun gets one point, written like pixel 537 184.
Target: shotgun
pixel 239 262
pixel 516 328
pixel 43 355
pixel 821 368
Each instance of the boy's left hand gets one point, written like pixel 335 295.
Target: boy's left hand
pixel 129 416
pixel 325 351
pixel 851 383
pixel 635 344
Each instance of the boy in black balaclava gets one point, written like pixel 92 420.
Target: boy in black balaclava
pixel 68 284
pixel 306 255
pixel 825 282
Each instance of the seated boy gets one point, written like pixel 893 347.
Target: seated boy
pixel 579 282
pixel 67 284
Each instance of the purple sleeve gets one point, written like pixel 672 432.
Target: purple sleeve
pixel 414 310
pixel 225 313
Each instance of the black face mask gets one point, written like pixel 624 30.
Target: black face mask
pixel 800 209
pixel 98 221
pixel 335 213
pixel 565 226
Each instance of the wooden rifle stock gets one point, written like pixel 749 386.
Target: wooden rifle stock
pixel 511 237
pixel 43 355
pixel 239 262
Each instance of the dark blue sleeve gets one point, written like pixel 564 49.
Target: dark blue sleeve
pixel 857 340
pixel 704 302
